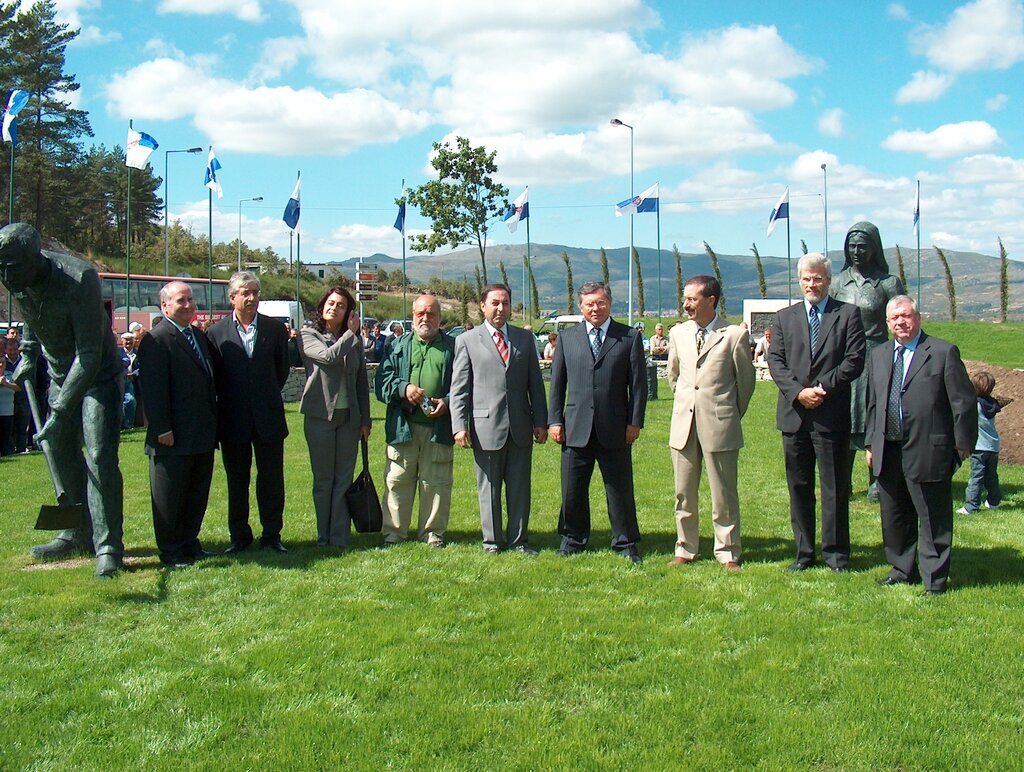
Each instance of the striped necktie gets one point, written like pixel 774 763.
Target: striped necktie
pixel 815 324
pixel 499 341
pixel 190 336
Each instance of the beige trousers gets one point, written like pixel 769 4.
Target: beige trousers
pixel 424 466
pixel 725 500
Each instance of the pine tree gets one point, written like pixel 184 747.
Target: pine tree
pixel 604 268
pixel 534 297
pixel 950 288
pixel 504 274
pixel 803 246
pixel 641 305
pixel 762 285
pixel 679 280
pixel 568 282
pixel 718 275
pixel 900 268
pixel 1004 281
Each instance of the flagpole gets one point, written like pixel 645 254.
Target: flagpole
pixel 529 273
pixel 657 213
pixel 10 219
pixel 209 287
pixel 128 248
pixel 918 229
pixel 298 253
pixel 405 279
pixel 789 261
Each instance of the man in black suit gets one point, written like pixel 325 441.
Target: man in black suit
pixel 922 421
pixel 817 351
pixel 597 403
pixel 177 387
pixel 249 353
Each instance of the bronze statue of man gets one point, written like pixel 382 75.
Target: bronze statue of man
pixel 59 296
pixel 865 282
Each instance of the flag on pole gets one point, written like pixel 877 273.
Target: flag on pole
pixel 400 220
pixel 291 209
pixel 780 212
pixel 139 147
pixel 519 211
pixel 211 181
pixel 645 202
pixel 917 209
pixel 17 101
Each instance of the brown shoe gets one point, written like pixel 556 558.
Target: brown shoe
pixel 733 566
pixel 679 560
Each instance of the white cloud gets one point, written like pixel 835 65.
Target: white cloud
pixel 245 10
pixel 273 121
pixel 279 56
pixel 987 169
pixel 897 11
pixel 981 35
pixel 951 139
pixel 996 103
pixel 740 67
pixel 830 122
pixel 924 86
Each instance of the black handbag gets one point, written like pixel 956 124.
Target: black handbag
pixel 363 502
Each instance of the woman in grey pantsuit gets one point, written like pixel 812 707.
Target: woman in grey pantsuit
pixel 336 407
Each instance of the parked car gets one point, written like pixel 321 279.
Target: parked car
pixel 556 324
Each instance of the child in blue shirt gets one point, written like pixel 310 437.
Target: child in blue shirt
pixel 985 458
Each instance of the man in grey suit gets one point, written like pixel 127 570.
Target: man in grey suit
pixel 499 409
pixel 922 421
pixel 596 411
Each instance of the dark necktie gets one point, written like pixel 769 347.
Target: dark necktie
pixel 815 328
pixel 190 336
pixel 894 407
pixel 595 341
pixel 499 341
pixel 701 333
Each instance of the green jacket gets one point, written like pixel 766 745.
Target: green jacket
pixel 389 386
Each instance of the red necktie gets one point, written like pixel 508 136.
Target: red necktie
pixel 499 340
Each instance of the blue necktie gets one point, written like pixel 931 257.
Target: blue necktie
pixel 815 328
pixel 595 342
pixel 191 338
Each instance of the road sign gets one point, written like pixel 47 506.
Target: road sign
pixel 366 267
pixel 366 276
pixel 366 297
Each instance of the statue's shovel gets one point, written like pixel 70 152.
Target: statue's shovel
pixel 63 514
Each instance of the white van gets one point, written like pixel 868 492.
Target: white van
pixel 287 311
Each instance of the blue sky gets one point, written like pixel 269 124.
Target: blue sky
pixel 730 103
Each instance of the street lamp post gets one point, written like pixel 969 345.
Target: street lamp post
pixel 629 257
pixel 824 172
pixel 242 201
pixel 167 251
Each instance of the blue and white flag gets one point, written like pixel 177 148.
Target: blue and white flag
pixel 212 167
pixel 400 220
pixel 780 212
pixel 519 211
pixel 291 209
pixel 917 209
pixel 17 101
pixel 645 202
pixel 138 149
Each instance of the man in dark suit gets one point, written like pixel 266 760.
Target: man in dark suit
pixel 922 421
pixel 499 409
pixel 597 403
pixel 249 353
pixel 817 351
pixel 177 387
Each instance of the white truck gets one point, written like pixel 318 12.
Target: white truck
pixel 287 311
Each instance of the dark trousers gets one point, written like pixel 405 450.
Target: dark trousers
pixel 6 435
pixel 830 451
pixel 238 457
pixel 984 477
pixel 917 523
pixel 180 489
pixel 617 471
pixel 22 419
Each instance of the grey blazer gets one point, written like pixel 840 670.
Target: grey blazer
pixel 494 401
pixel 328 361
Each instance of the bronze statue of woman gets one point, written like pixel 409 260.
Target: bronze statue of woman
pixel 865 282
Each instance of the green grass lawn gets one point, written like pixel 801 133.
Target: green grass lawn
pixel 419 658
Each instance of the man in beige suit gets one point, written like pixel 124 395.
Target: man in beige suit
pixel 712 377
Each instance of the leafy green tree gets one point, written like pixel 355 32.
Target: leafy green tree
pixel 641 305
pixel 534 297
pixel 568 282
pixel 464 301
pixel 1004 281
pixel 718 275
pixel 679 279
pixel 479 280
pixel 762 285
pixel 504 273
pixel 950 287
pixel 604 268
pixel 462 201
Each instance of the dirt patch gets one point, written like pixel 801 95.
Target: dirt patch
pixel 130 562
pixel 1010 421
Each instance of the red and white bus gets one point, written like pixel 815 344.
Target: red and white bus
pixel 143 298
